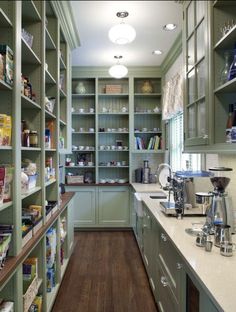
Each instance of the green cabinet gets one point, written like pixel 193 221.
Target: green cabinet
pixel 101 206
pixel 208 36
pixel 196 71
pixel 113 206
pixel 84 207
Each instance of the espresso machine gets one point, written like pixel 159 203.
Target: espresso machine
pixel 220 211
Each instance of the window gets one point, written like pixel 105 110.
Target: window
pixel 179 160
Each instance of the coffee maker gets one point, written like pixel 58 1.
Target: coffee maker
pixel 220 211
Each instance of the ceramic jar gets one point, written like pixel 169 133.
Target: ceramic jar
pixel 80 88
pixel 147 87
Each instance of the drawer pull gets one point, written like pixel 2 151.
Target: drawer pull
pixel 179 265
pixel 163 237
pixel 164 281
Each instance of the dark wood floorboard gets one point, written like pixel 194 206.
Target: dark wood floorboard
pixel 105 274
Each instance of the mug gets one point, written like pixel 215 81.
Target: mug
pixel 118 163
pixel 81 110
pixel 124 109
pixel 227 248
pixel 91 110
pixel 91 129
pixel 81 129
pixel 113 147
pixel 80 163
pixel 102 147
pixel 71 164
pixel 81 147
pixel 87 148
pixel 90 163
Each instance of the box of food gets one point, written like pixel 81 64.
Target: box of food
pixel 75 179
pixel 110 89
pixel 5 129
pixel 8 64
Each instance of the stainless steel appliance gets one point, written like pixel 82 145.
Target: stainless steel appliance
pixel 182 192
pixel 221 211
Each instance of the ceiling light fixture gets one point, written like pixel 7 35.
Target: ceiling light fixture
pixel 169 26
pixel 122 33
pixel 118 71
pixel 157 52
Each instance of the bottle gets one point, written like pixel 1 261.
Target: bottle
pixel 232 69
pixel 229 123
pixel 225 71
pixel 146 172
pixel 26 141
pixel 233 129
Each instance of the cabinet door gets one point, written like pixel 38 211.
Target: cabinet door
pixel 196 61
pixel 113 206
pixel 84 207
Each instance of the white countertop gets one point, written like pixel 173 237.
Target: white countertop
pixel 215 273
pixel 145 188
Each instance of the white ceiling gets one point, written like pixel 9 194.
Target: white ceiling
pixel 95 18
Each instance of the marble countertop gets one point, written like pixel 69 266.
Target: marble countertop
pixel 215 273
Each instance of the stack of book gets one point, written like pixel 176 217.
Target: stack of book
pixel 153 144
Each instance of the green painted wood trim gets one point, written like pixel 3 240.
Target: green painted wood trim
pixel 172 55
pixel 102 72
pixel 64 13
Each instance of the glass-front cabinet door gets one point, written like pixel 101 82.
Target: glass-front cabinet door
pixel 196 106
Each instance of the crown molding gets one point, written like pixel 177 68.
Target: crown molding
pixel 64 13
pixel 172 55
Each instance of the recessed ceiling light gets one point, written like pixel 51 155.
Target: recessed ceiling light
pixel 157 52
pixel 169 26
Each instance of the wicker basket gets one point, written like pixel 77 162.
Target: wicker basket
pixel 75 179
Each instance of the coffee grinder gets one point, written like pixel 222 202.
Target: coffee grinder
pixel 220 211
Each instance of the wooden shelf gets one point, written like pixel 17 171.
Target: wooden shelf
pixel 227 42
pixel 4 85
pixel 28 55
pixel 228 87
pixel 5 205
pixel 4 20
pixel 28 103
pixel 12 263
pixel 49 78
pixel 50 44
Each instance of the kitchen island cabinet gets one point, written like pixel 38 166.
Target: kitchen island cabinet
pixel 191 278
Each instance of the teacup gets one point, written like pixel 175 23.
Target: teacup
pixel 118 163
pixel 119 148
pixel 108 147
pixel 113 147
pixel 91 110
pixel 124 109
pixel 104 110
pixel 91 129
pixel 87 148
pixel 80 163
pixel 81 129
pixel 81 147
pixel 90 163
pixel 72 164
pixel 102 147
pixel 144 129
pixel 81 110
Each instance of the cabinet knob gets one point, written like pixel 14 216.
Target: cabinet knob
pixel 179 265
pixel 164 281
pixel 163 237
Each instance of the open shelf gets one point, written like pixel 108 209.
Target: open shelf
pixel 5 205
pixel 28 55
pixel 229 86
pixel 30 12
pixel 30 192
pixel 28 103
pixel 4 85
pixel 4 20
pixel 50 45
pixel 227 41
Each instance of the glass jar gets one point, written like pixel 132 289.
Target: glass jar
pixel 26 141
pixel 225 71
pixel 33 139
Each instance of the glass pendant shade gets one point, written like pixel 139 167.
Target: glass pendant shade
pixel 122 34
pixel 118 71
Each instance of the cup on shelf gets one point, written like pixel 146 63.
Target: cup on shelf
pixel 120 129
pixel 71 164
pixel 81 129
pixel 91 110
pixel 102 180
pixel 102 147
pixel 81 110
pixel 91 129
pixel 120 148
pixel 113 130
pixel 87 148
pixel 81 147
pixel 123 163
pixel 124 109
pixel 72 109
pixel 118 163
pixel 125 148
pixel 108 147
pixel 81 163
pixel 109 129
pixel 113 147
pixel 144 129
pixel 104 109
pixel 90 163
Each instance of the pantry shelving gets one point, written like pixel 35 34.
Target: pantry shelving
pixel 34 33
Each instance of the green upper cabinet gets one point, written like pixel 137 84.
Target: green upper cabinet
pixel 196 72
pixel 208 42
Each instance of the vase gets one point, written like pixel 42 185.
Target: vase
pixel 80 88
pixel 225 70
pixel 147 87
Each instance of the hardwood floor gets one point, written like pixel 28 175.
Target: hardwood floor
pixel 105 274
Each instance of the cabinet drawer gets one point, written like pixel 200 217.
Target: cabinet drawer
pixel 171 262
pixel 165 298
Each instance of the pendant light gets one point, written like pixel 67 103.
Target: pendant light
pixel 118 71
pixel 122 33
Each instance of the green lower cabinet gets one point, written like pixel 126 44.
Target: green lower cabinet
pixel 101 206
pixel 70 230
pixel 113 206
pixel 84 206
